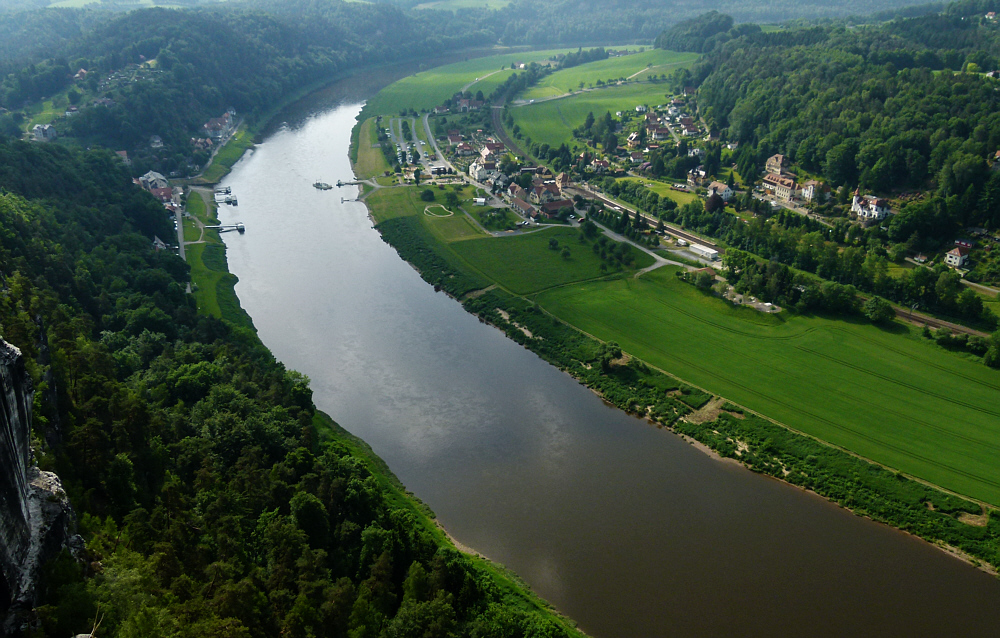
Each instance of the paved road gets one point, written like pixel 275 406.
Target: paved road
pixel 793 208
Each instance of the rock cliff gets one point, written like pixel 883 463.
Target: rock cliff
pixel 36 520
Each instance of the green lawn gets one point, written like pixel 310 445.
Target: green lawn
pixel 885 394
pixel 524 264
pixel 657 60
pixel 663 190
pixel 430 88
pixel 371 160
pixel 552 122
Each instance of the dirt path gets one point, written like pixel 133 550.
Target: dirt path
pixel 479 79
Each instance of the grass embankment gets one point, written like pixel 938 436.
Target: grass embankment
pixel 882 394
pixel 514 591
pixel 651 62
pixel 213 284
pixel 552 122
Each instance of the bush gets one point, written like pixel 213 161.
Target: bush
pixel 878 310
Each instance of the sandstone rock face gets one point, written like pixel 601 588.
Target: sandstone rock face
pixel 36 520
pixel 16 393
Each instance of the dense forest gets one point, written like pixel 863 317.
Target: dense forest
pixel 214 499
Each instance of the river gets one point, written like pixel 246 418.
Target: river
pixel 627 529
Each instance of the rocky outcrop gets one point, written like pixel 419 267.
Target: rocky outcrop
pixel 36 520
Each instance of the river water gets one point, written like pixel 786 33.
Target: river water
pixel 627 529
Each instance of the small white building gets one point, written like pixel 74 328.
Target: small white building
pixel 705 252
pixel 44 132
pixel 641 109
pixel 479 201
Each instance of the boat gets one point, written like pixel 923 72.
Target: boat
pixel 323 186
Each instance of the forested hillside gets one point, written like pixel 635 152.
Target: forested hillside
pixel 900 108
pixel 215 501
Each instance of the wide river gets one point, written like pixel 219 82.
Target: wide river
pixel 627 529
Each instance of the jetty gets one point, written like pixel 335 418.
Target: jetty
pixel 226 228
pixel 340 183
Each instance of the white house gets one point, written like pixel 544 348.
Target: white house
pixel 720 189
pixel 869 207
pixel 957 256
pixel 813 189
pixel 478 172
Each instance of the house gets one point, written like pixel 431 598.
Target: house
pixel 454 139
pixel 992 15
pixel 697 176
pixel 156 142
pixel 158 244
pixel 600 166
pixel 478 172
pixel 661 133
pixel 523 207
pixel 441 109
pixel 776 164
pixel 516 192
pixel 464 149
pixel 219 128
pixel 812 190
pixel 957 256
pixel 869 207
pixel 551 209
pixel 690 130
pixel 641 109
pixel 783 187
pixel 152 180
pixel 80 75
pixel 124 156
pixel 201 143
pixel 545 192
pixel 636 156
pixel 103 101
pixel 44 132
pixel 633 140
pixel 165 195
pixel 563 181
pixel 720 189
pixel 696 152
pixel 71 111
pixel 690 90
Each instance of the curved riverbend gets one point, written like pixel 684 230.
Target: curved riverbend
pixel 625 528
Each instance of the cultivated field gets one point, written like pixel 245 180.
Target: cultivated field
pixel 646 63
pixel 430 88
pixel 885 394
pixel 552 122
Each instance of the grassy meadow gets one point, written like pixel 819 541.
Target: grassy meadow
pixel 552 122
pixel 646 63
pixel 227 156
pixel 370 160
pixel 885 394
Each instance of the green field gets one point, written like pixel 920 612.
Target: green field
pixel 371 160
pixel 525 264
pixel 887 395
pixel 650 62
pixel 430 88
pixel 552 122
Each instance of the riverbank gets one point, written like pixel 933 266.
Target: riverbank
pixel 738 433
